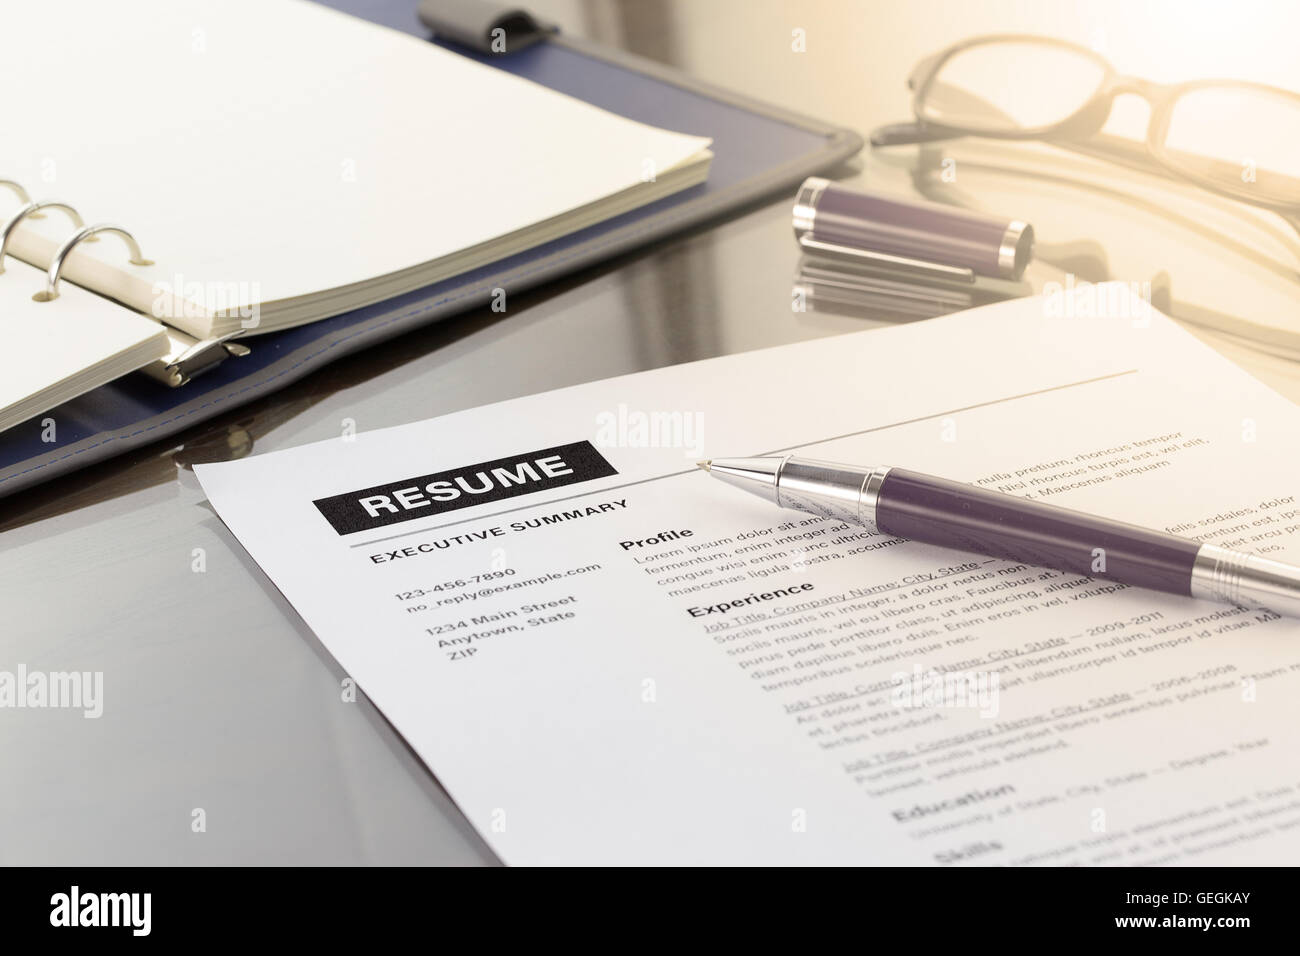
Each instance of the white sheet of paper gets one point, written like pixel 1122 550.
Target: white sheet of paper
pixel 542 655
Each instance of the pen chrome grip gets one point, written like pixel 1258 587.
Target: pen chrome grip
pixel 958 515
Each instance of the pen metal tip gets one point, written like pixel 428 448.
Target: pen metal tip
pixel 706 464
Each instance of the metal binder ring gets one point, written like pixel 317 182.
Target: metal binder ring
pixel 56 264
pixel 19 191
pixel 8 229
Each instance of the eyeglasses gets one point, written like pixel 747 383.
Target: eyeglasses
pixel 1237 139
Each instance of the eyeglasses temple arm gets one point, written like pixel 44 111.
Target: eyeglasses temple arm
pixel 906 134
pixel 1117 149
pixel 921 72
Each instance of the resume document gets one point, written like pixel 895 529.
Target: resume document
pixel 608 657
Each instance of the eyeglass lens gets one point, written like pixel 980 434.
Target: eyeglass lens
pixel 1240 138
pixel 1011 85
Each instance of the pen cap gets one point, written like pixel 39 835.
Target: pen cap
pixel 911 232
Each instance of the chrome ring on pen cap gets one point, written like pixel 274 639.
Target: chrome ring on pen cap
pixel 805 205
pixel 1016 250
pixel 56 264
pixel 7 231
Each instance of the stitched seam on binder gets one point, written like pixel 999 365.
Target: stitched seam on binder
pixel 428 307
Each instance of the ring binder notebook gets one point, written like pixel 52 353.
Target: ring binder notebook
pixel 288 224
pixel 254 247
pixel 57 351
pixel 187 355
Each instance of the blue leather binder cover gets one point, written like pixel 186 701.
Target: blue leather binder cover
pixel 758 150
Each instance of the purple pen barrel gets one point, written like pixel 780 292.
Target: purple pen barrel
pixel 909 231
pixel 951 514
pixel 957 515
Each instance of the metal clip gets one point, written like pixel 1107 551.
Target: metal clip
pixel 205 354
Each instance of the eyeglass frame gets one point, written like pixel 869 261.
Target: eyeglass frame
pixel 1082 129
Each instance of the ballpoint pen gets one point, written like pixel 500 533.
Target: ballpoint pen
pixel 907 504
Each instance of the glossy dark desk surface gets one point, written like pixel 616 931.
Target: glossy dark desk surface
pixel 218 698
